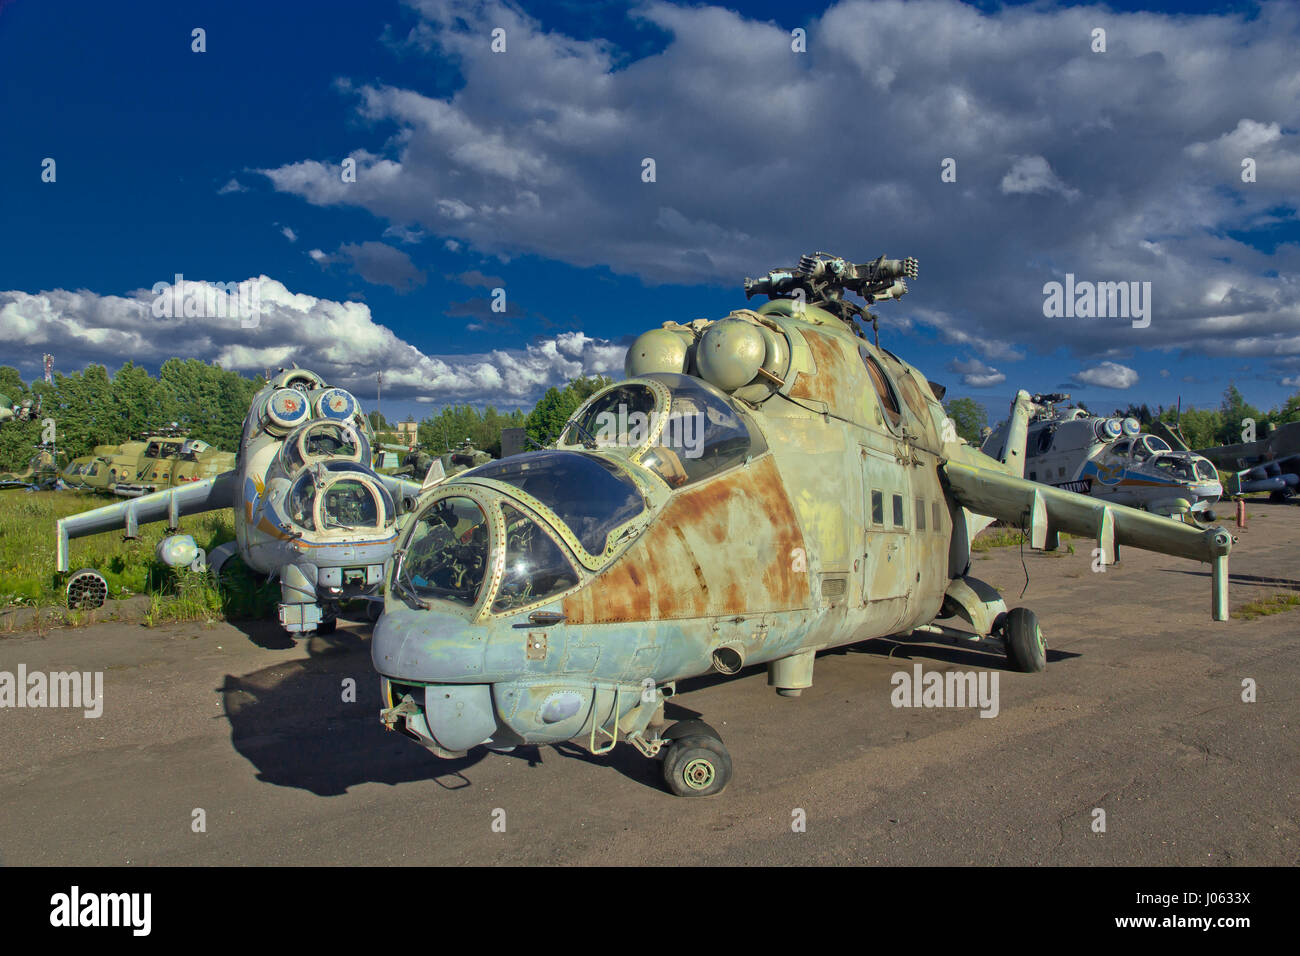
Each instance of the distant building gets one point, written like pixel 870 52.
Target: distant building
pixel 513 441
pixel 408 430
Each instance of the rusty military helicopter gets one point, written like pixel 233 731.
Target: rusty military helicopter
pixel 759 488
pixel 309 508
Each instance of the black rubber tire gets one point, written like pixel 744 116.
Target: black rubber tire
pixel 328 626
pixel 690 728
pixel 697 766
pixel 1026 646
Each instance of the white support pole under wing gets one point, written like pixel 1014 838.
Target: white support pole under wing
pixel 1025 503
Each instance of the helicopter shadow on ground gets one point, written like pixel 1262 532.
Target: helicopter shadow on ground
pixel 265 633
pixel 313 724
pixel 301 725
pixel 987 654
pixel 1254 580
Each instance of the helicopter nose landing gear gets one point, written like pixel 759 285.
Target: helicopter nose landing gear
pixel 696 764
pixel 1026 646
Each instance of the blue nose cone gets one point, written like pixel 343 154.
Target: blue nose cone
pixel 428 646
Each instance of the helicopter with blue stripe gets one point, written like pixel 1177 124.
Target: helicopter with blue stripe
pixel 1110 458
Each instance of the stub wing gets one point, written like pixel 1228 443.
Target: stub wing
pixel 1044 512
pixel 170 505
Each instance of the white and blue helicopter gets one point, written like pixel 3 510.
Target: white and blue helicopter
pixel 309 508
pixel 1109 458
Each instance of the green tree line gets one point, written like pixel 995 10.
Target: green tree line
pixel 92 408
pixel 1201 427
pixel 1208 427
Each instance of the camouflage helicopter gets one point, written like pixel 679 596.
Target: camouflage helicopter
pixel 463 457
pixel 41 473
pixel 308 507
pixel 24 411
pixel 1110 459
pixel 162 459
pixel 759 488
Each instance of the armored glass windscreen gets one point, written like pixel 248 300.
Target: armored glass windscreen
pixel 535 566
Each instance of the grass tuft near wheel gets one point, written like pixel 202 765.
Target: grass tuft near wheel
pixel 697 765
pixel 1026 646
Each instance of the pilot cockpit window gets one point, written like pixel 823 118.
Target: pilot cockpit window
pixel 447 553
pixel 302 502
pixel 588 493
pixel 703 433
pixel 350 505
pixel 1205 471
pixel 885 394
pixel 621 418
pixel 323 440
pixel 535 567
pixel 1121 447
pixel 1176 467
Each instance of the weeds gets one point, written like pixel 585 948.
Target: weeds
pixel 27 563
pixel 1263 607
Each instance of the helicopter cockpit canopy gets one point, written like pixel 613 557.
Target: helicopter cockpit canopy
pixel 589 494
pixel 323 440
pixel 680 427
pixel 1141 448
pixel 339 496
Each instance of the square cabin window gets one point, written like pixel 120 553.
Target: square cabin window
pixel 934 515
pixel 898 511
pixel 877 508
pixel 920 514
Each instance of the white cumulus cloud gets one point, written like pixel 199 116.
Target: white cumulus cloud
pixel 1109 375
pixel 340 340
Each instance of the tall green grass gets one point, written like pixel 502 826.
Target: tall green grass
pixel 27 554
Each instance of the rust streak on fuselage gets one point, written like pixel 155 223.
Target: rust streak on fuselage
pixel 660 577
pixel 838 377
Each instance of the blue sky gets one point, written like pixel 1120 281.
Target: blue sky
pixel 522 170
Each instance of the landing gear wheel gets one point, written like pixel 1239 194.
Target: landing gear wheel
pixel 1026 647
pixel 328 626
pixel 697 765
